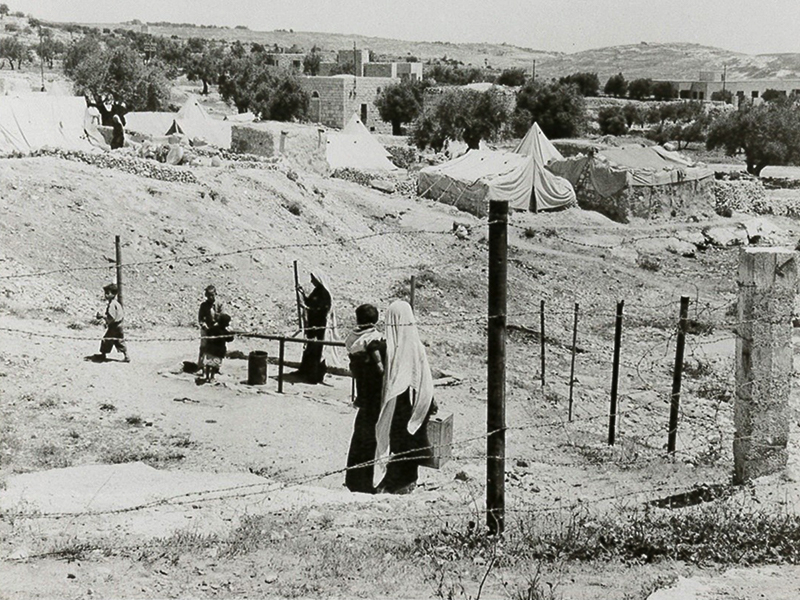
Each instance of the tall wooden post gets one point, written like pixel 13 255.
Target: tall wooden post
pixel 118 248
pixel 675 401
pixel 413 292
pixel 612 417
pixel 761 415
pixel 496 384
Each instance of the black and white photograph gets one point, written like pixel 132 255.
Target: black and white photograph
pixel 450 300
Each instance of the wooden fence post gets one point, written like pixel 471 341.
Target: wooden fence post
pixel 675 400
pixel 612 418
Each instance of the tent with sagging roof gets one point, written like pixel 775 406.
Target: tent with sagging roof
pixel 519 177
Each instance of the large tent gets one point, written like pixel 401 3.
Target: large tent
pixel 636 181
pixel 355 148
pixel 519 177
pixel 34 121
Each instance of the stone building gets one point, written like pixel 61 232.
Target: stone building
pixel 285 60
pixel 335 99
pixel 404 71
pixel 709 82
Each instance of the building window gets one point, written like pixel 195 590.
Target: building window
pixel 754 94
pixel 702 96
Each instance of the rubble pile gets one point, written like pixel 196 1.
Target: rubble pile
pixel 353 175
pixel 739 195
pixel 123 162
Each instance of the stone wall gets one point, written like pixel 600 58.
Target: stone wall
pixel 380 70
pixel 327 99
pixel 303 148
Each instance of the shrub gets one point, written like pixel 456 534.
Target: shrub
pixel 612 121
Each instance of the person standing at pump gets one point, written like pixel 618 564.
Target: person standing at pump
pixel 207 317
pixel 317 305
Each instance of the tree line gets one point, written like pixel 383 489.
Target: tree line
pixel 125 70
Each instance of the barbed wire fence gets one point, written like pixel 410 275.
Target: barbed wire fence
pixel 651 394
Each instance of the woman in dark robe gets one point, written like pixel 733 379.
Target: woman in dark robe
pixel 406 405
pixel 118 133
pixel 317 306
pixel 367 350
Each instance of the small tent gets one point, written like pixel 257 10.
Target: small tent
pixel 355 148
pixel 191 120
pixel 519 177
pixel 36 121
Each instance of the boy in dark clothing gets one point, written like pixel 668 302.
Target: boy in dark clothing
pixel 113 317
pixel 366 347
pixel 216 346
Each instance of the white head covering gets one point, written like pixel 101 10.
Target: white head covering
pixel 406 367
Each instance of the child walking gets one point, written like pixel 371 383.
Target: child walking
pixel 113 317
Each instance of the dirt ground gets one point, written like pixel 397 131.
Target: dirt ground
pixel 132 481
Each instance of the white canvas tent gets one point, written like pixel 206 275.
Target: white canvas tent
pixel 519 177
pixel 35 121
pixel 191 120
pixel 356 148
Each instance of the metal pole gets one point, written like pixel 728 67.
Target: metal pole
pixel 280 364
pixel 119 269
pixel 496 384
pixel 676 376
pixel 612 418
pixel 541 322
pixel 413 292
pixel 572 365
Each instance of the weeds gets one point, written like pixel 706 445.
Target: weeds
pixel 51 456
pixel 133 420
pixel 721 532
pixel 71 549
pixel 535 588
pixel 108 407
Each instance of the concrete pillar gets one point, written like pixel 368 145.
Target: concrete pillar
pixel 767 279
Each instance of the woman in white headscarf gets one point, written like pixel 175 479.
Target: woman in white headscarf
pixel 406 405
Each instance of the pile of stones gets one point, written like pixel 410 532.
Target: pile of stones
pixel 123 162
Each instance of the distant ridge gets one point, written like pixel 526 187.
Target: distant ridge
pixel 655 60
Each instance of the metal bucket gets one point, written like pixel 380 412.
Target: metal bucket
pixel 257 368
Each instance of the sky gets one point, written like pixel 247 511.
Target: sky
pixel 748 26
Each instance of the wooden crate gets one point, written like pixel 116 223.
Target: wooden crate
pixel 440 436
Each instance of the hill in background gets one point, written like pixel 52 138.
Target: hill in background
pixel 658 61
